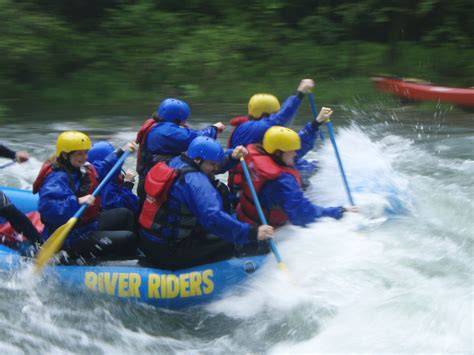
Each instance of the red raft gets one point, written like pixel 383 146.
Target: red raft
pixel 417 90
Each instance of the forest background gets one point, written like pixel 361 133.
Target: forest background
pixel 214 51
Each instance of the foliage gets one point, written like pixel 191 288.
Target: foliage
pixel 127 50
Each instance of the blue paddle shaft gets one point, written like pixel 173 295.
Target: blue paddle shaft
pixel 104 181
pixel 259 209
pixel 339 162
pixel 315 113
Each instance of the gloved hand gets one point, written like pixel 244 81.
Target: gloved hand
pixel 305 86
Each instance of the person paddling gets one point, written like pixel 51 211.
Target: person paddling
pixel 165 136
pixel 118 193
pixel 182 208
pixel 308 135
pixel 264 111
pixel 278 183
pixel 64 183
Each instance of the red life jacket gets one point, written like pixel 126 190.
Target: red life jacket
pixel 158 183
pixel 10 238
pixel 89 182
pixel 141 140
pixel 234 181
pixel 262 169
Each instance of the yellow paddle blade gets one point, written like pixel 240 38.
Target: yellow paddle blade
pixel 288 276
pixel 53 244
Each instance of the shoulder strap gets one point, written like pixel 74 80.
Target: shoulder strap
pixel 182 172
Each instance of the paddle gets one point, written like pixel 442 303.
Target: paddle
pixel 315 113
pixel 56 240
pixel 339 162
pixel 281 264
pixel 6 165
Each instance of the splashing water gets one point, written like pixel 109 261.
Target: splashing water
pixel 396 277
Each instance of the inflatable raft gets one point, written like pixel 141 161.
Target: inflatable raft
pixel 417 90
pixel 128 280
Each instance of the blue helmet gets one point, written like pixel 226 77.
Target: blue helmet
pixel 205 148
pixel 173 110
pixel 99 151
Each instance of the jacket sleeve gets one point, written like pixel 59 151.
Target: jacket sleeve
pixel 254 130
pixel 6 153
pixel 229 162
pixel 209 131
pixel 115 196
pixel 57 202
pixel 308 135
pixel 172 139
pixel 287 194
pixel 206 204
pixel 287 112
pixel 306 168
pixel 104 166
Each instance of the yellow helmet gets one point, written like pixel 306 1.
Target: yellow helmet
pixel 281 138
pixel 263 103
pixel 70 141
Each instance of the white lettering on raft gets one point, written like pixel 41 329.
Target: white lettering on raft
pixel 127 284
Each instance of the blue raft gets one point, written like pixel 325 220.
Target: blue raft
pixel 127 280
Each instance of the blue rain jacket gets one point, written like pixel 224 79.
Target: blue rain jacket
pixel 253 131
pixel 308 135
pixel 58 202
pixel 119 196
pixel 167 138
pixel 287 195
pixel 200 197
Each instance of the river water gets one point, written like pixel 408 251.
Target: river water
pixel 395 278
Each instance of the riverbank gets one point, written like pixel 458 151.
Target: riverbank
pixel 353 93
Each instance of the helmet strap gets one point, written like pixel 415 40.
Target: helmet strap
pixel 185 157
pixel 157 118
